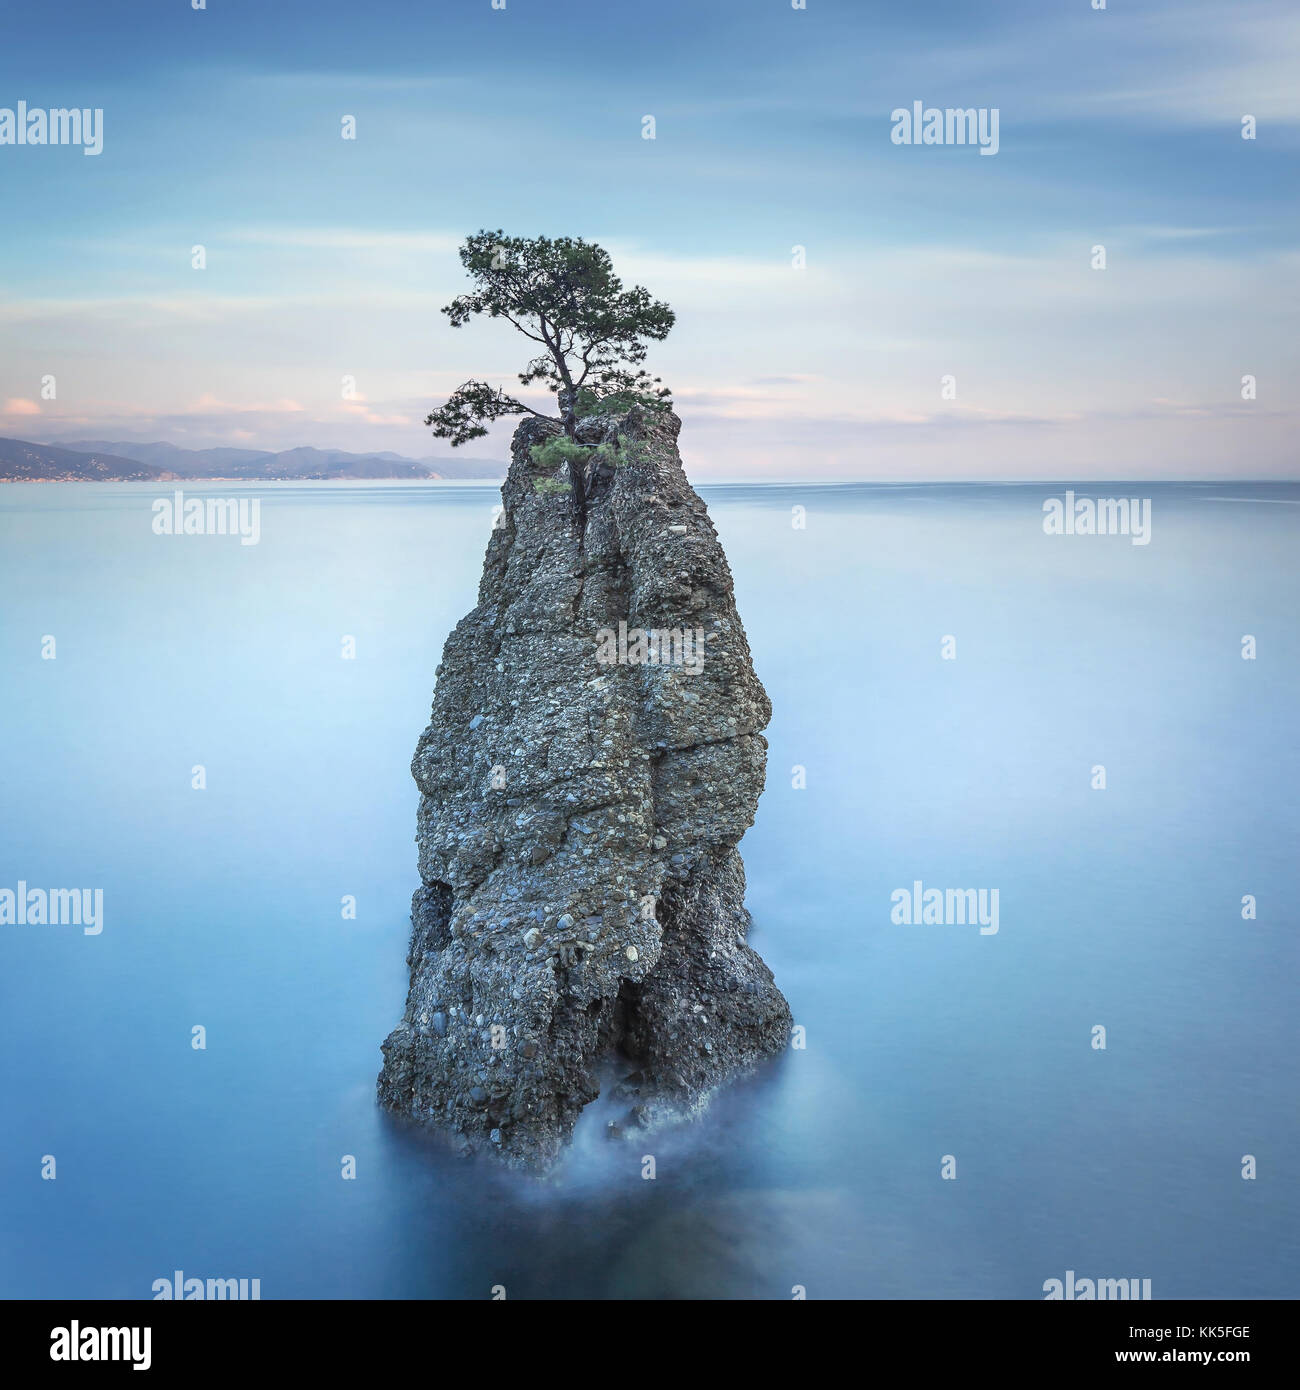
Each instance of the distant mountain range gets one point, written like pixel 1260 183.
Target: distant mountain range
pixel 101 460
pixel 21 462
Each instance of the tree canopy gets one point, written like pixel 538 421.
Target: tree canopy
pixel 592 332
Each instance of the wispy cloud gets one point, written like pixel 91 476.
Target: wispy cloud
pixel 348 239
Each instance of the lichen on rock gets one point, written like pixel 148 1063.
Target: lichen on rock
pixel 594 755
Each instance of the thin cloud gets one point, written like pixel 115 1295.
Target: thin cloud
pixel 348 239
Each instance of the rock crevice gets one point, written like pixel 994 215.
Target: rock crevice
pixel 594 756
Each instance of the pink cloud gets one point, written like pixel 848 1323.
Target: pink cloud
pixel 207 402
pixel 372 417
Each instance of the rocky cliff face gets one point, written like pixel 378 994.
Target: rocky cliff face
pixel 593 758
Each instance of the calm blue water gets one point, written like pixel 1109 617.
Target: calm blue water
pixel 1119 907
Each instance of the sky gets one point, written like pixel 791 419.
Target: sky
pixel 947 320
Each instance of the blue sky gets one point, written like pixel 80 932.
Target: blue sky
pixel 329 258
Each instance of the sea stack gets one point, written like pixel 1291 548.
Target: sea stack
pixel 594 755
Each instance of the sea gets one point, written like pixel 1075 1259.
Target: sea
pixel 1095 732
